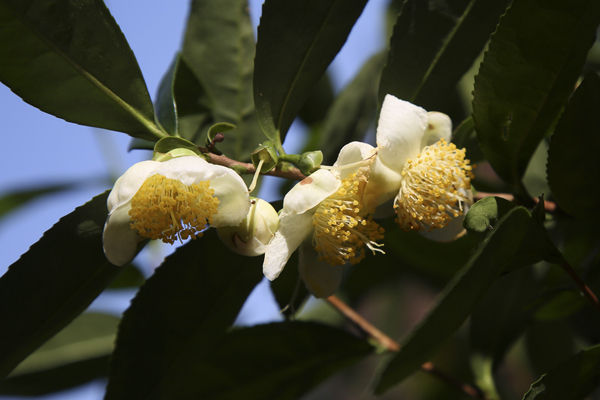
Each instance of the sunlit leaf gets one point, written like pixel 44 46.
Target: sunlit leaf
pixel 303 36
pixel 70 59
pixel 188 304
pixel 573 162
pixel 53 282
pixel 573 379
pixel 527 75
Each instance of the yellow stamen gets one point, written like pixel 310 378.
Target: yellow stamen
pixel 341 225
pixel 167 209
pixel 434 187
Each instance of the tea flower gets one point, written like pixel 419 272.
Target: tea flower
pixel 170 200
pixel 327 204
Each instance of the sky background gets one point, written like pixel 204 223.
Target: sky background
pixel 43 149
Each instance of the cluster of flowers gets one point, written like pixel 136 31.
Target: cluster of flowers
pixel 414 170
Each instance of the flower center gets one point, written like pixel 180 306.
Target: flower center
pixel 434 187
pixel 167 209
pixel 341 225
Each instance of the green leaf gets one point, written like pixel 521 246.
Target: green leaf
pixel 297 39
pixel 288 289
pixel 527 75
pixel 13 200
pixel 561 305
pixel 573 379
pixel 573 163
pixel 218 47
pixel 353 110
pixel 431 48
pixel 169 143
pixel 459 297
pixel 317 104
pixel 189 303
pixel 543 335
pixel 70 59
pixel 165 105
pixel 274 361
pixel 129 277
pixel 50 284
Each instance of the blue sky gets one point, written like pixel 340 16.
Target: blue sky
pixel 43 149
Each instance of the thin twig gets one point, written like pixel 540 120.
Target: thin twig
pixel 247 168
pixel 549 206
pixel 585 289
pixel 391 345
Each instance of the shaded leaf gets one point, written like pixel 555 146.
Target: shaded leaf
pixel 573 162
pixel 561 305
pixel 544 335
pixel 353 110
pixel 303 36
pixel 273 361
pixel 218 48
pixel 318 102
pixel 129 277
pixel 50 285
pixel 70 59
pixel 431 48
pixel 526 76
pixel 165 105
pixel 573 379
pixel 189 302
pixel 288 289
pixel 460 296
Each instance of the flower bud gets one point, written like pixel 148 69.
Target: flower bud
pixel 252 235
pixel 310 161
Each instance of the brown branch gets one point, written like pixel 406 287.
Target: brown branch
pixel 549 206
pixel 391 345
pixel 247 168
pixel 585 289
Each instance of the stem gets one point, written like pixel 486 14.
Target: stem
pixel 247 168
pixel 585 289
pixel 391 345
pixel 255 177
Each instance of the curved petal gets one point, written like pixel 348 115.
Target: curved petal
pixel 320 278
pixel 229 187
pixel 309 192
pixel 293 229
pixel 400 131
pixel 130 182
pixel 348 160
pixel 383 184
pixel 439 126
pixel 119 240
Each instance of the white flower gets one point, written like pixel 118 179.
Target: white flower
pixel 170 200
pixel 435 178
pixel 251 236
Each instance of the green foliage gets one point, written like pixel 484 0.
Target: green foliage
pixel 304 36
pixel 53 282
pixel 527 74
pixel 85 71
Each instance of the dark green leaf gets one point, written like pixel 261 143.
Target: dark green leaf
pixel 70 59
pixel 303 36
pixel 543 335
pixel 188 303
pixel 275 361
pixel 353 110
pixel 573 379
pixel 432 48
pixel 288 289
pixel 573 162
pixel 317 104
pixel 18 198
pixel 129 277
pixel 459 297
pixel 561 305
pixel 169 143
pixel 50 284
pixel 165 105
pixel 526 76
pixel 218 47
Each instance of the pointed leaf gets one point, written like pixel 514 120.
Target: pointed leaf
pixel 70 59
pixel 274 361
pixel 189 302
pixel 573 379
pixel 166 107
pixel 297 39
pixel 459 297
pixel 431 48
pixel 288 289
pixel 573 162
pixel 526 76
pixel 50 284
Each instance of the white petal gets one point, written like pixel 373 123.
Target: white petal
pixel 319 277
pixel 229 187
pixel 130 182
pixel 400 131
pixel 383 185
pixel 119 240
pixel 309 192
pixel 293 229
pixel 348 160
pixel 439 126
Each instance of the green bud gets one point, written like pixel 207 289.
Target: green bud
pixel 251 237
pixel 265 152
pixel 310 161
